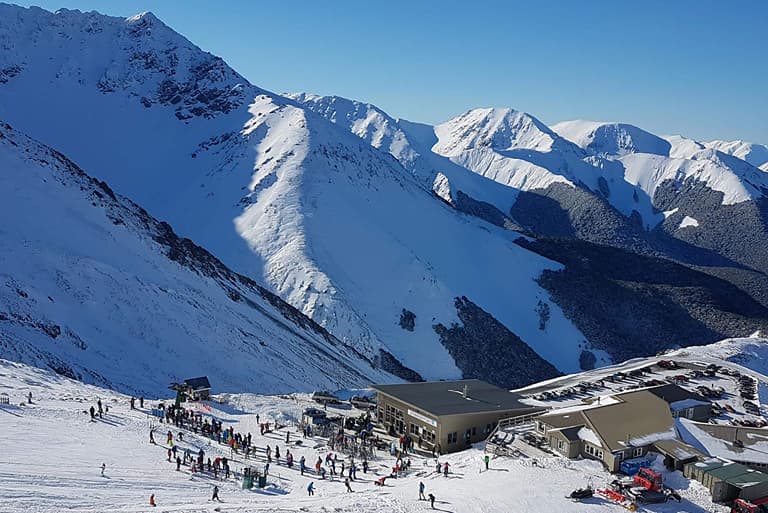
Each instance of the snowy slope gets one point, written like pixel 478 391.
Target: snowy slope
pixel 341 231
pixel 755 154
pixel 37 478
pixel 611 138
pixel 619 162
pixel 92 286
pixel 411 144
pixel 335 220
pixel 650 161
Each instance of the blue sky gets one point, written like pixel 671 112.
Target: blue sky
pixel 696 67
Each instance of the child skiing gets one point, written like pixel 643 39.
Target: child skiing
pixel 421 491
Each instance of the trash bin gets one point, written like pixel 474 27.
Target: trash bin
pixel 248 478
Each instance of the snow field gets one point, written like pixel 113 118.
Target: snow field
pixel 53 453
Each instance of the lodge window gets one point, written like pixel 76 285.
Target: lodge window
pixel 414 429
pixel 637 452
pixel 488 428
pixel 474 430
pixel 689 413
pixel 453 437
pixel 392 414
pixel 540 426
pixel 592 451
pixel 560 445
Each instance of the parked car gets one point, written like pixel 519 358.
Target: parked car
pixel 362 402
pixel 325 397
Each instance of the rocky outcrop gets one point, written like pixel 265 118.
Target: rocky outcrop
pixel 484 348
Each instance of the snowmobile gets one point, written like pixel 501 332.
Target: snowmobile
pixel 581 493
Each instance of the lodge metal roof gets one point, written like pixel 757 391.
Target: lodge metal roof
pixel 447 397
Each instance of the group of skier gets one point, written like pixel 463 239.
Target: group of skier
pixel 329 464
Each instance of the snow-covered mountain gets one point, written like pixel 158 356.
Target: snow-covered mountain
pixel 610 183
pixel 335 227
pixel 401 239
pixel 755 154
pixel 94 287
pixel 611 138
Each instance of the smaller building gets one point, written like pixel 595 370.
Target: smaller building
pixel 448 415
pixel 610 429
pixel 677 453
pixel 683 403
pixel 727 481
pixel 196 389
pixel 313 417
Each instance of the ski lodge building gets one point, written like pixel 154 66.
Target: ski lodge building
pixel 448 414
pixel 621 427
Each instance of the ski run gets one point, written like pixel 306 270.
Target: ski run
pixel 54 455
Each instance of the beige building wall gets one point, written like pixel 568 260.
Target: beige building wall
pixel 447 431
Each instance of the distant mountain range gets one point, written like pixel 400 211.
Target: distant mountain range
pixel 490 246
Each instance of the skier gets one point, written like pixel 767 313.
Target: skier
pixel 152 500
pixel 438 467
pixel 269 454
pixel 277 454
pixel 287 437
pixel 421 491
pixel 215 496
pixel 445 469
pixel 151 436
pixel 101 410
pixel 93 413
pixel 318 464
pixel 103 468
pixel 431 500
pixel 178 464
pixel 311 488
pixel 302 465
pixel 29 398
pixel 365 466
pixel 169 454
pixel 487 460
pixel 141 402
pixel 346 483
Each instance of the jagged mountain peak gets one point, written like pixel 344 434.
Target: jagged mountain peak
pixel 755 154
pixel 365 120
pixel 139 55
pixel 496 128
pixel 611 138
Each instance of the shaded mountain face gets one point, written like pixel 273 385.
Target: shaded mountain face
pixel 350 216
pixel 95 288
